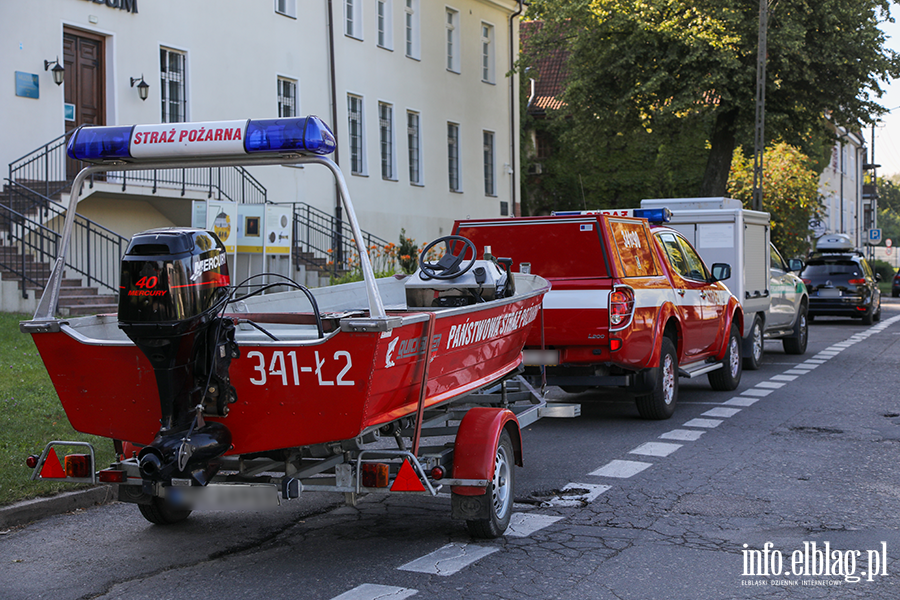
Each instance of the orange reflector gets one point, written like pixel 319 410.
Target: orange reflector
pixel 52 469
pixel 112 476
pixel 375 475
pixel 614 344
pixel 78 465
pixel 407 480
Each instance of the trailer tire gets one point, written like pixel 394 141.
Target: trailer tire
pixel 729 376
pixel 660 402
pixel 499 493
pixel 160 512
pixel 796 344
pixel 753 346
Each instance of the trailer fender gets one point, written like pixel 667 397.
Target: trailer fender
pixel 476 445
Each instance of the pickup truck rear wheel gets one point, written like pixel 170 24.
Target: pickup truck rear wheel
pixel 660 402
pixel 753 346
pixel 729 376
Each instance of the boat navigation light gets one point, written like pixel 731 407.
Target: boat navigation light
pixel 307 135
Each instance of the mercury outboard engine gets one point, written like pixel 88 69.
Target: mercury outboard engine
pixel 174 283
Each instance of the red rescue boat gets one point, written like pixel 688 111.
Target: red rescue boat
pixel 212 384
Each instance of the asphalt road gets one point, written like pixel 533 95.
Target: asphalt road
pixel 796 468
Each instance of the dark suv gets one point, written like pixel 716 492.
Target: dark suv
pixel 840 282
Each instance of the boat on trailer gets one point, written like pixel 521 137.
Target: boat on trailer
pixel 217 396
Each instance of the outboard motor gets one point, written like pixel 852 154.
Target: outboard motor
pixel 174 283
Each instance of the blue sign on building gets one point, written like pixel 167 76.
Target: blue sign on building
pixel 27 85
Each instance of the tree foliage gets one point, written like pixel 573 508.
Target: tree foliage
pixel 790 194
pixel 675 70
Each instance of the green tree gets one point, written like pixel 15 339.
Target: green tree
pixel 689 66
pixel 790 194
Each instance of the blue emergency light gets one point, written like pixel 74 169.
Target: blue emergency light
pixel 654 215
pixel 196 140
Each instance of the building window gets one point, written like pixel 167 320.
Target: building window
pixel 172 86
pixel 287 8
pixel 386 139
pixel 490 186
pixel 353 18
pixel 411 28
pixel 357 137
pixel 287 97
pixel 452 40
pixel 385 24
pixel 415 147
pixel 453 156
pixel 487 53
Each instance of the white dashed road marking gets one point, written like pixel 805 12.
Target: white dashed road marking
pixel 524 524
pixel 684 435
pixel 448 560
pixel 655 449
pixel 705 423
pixel 587 493
pixel 621 469
pixel 739 401
pixel 783 377
pixel 370 591
pixel 770 384
pixel 721 412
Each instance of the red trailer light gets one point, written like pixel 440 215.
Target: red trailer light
pixel 375 475
pixel 78 465
pixel 32 461
pixel 437 473
pixel 860 281
pixel 112 476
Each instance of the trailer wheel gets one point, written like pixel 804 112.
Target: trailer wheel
pixel 499 494
pixel 796 344
pixel 660 402
pixel 753 346
pixel 160 512
pixel 729 376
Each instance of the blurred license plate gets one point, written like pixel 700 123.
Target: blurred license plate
pixel 240 496
pixel 540 357
pixel 832 293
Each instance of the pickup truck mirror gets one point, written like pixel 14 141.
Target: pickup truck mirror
pixel 795 264
pixel 720 272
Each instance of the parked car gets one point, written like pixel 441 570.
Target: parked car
pixel 841 282
pixel 895 286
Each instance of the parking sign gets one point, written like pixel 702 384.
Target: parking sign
pixel 874 236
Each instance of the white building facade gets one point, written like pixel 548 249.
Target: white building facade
pixel 841 187
pixel 416 90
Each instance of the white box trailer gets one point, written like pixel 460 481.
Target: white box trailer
pixel 722 230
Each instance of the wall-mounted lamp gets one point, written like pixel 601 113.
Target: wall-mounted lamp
pixel 58 71
pixel 142 86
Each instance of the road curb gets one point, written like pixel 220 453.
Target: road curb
pixel 27 511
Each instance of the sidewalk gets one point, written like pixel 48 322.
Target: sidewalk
pixel 27 511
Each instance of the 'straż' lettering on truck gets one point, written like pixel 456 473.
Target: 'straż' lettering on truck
pixel 631 305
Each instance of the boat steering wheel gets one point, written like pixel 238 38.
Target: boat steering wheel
pixel 449 265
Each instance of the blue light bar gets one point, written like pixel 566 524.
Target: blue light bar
pixel 308 135
pixel 654 215
pixel 100 143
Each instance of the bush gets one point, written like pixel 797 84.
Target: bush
pixel 884 268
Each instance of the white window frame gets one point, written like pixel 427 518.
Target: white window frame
pixel 453 163
pixel 386 145
pixel 489 154
pixel 168 79
pixel 288 8
pixel 414 146
pixel 452 45
pixel 353 19
pixel 358 164
pixel 384 23
pixel 287 97
pixel 487 52
pixel 411 31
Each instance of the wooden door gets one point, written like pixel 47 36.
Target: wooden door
pixel 84 83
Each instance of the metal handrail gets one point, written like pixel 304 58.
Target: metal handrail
pixel 325 237
pixel 97 250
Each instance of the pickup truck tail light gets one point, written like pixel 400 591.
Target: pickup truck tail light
pixel 621 306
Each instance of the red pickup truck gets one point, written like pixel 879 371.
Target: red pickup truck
pixel 631 304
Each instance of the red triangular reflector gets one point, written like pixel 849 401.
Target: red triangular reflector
pixel 52 469
pixel 407 480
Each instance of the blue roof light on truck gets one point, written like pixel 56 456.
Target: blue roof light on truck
pixel 654 215
pixel 309 135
